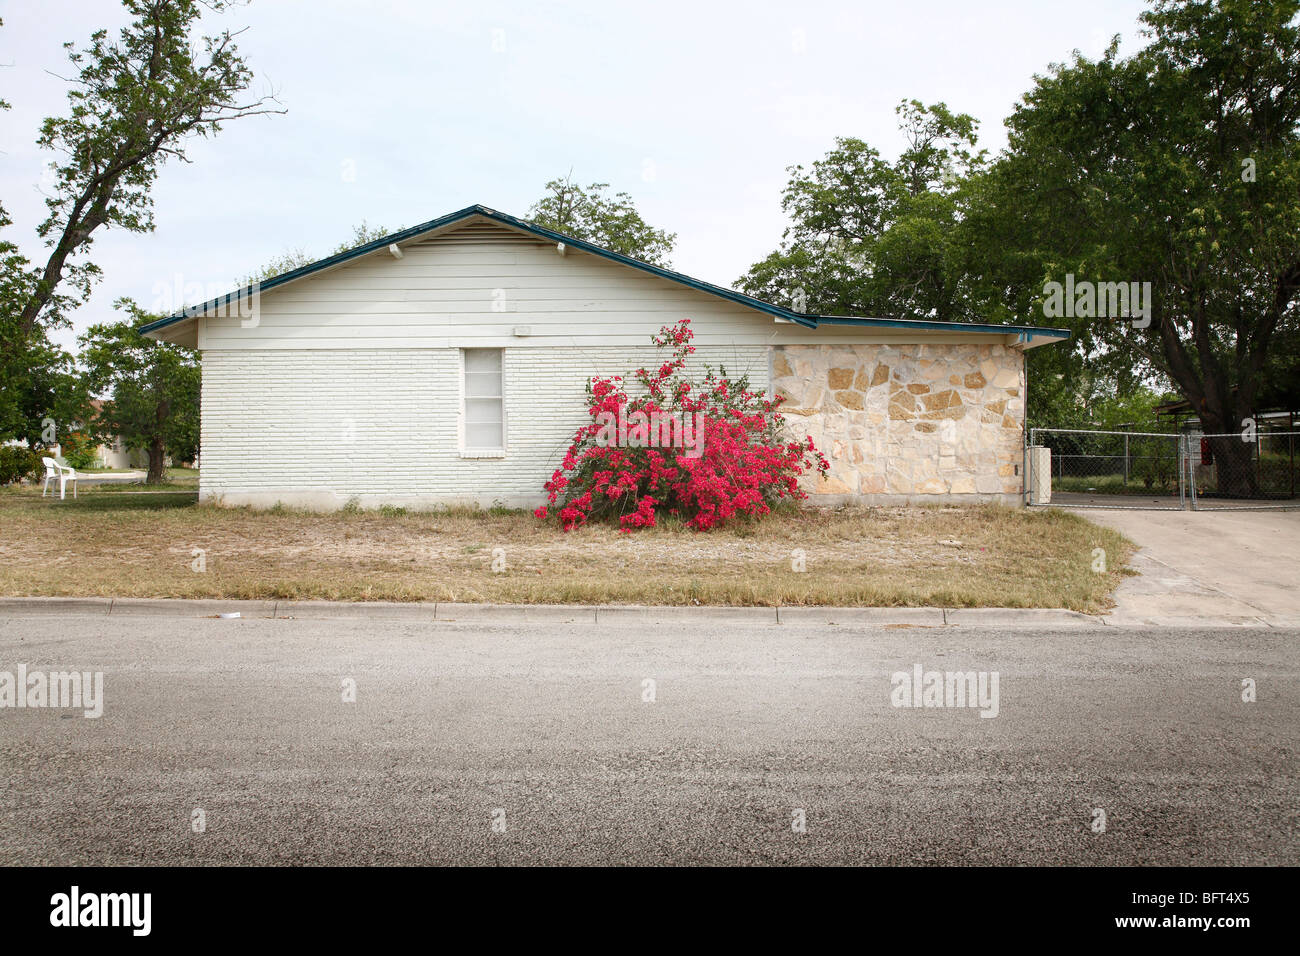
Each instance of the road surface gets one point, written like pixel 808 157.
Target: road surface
pixel 715 742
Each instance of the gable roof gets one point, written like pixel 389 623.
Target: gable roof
pixel 1026 333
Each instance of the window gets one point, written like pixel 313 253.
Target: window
pixel 484 433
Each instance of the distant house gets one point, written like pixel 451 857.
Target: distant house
pixel 113 454
pixel 446 364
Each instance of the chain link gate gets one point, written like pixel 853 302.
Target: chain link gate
pixel 1250 470
pixel 1115 469
pixel 1239 471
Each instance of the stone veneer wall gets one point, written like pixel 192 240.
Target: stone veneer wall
pixel 909 423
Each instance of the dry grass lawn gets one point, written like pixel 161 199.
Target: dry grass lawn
pixel 128 542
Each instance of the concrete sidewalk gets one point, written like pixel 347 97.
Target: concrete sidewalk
pixel 1038 618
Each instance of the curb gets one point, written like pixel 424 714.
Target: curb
pixel 448 612
pixel 57 605
pixel 682 614
pixel 878 616
pixel 149 607
pixel 451 612
pixel 1021 617
pixel 358 611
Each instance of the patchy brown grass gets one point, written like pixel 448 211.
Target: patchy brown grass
pixel 132 542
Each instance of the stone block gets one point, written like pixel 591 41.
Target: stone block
pixel 840 378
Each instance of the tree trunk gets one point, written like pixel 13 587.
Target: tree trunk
pixel 156 458
pixel 1234 467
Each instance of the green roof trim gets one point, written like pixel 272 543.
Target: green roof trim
pixel 939 325
pixel 800 318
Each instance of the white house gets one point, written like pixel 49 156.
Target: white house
pixel 446 364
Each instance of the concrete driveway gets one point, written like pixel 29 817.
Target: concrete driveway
pixel 706 742
pixel 1209 566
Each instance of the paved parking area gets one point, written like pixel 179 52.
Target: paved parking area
pixel 1209 565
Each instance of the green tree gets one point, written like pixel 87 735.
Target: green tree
pixel 37 382
pixel 48 397
pixel 873 237
pixel 611 221
pixel 1178 166
pixel 153 389
pixel 133 103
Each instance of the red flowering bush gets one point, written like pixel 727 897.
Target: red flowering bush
pixel 705 451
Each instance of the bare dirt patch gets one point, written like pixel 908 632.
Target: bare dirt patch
pixel 143 545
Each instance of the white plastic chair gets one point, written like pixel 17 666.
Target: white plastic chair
pixel 64 473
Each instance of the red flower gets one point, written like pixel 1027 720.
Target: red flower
pixel 738 464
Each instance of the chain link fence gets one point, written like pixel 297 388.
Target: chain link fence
pixel 1115 469
pixel 1247 470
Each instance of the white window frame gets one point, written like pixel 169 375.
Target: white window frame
pixel 465 450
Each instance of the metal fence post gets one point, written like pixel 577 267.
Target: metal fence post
pixel 1182 472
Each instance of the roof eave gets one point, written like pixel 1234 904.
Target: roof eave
pixel 1024 333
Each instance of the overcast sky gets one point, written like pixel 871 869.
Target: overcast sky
pixel 399 112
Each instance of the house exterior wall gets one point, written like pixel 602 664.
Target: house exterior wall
pixel 347 384
pixel 318 428
pixel 909 423
pixel 117 455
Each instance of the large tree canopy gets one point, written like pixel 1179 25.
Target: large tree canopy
pixel 1178 166
pixel 37 383
pixel 873 237
pixel 132 105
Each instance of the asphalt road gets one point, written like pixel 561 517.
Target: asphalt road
pixel 454 723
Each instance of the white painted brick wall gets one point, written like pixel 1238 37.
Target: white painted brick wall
pixel 317 427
